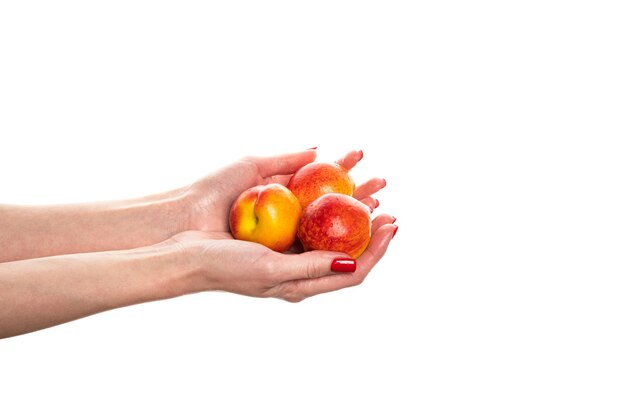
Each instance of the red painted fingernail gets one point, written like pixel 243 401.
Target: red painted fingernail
pixel 394 231
pixel 311 148
pixel 343 265
pixel 384 183
pixel 393 221
pixel 360 155
pixel 377 203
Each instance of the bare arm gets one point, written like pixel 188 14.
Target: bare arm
pixel 39 293
pixel 52 283
pixel 30 232
pixel 40 231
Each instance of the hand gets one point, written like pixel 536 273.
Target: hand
pixel 116 263
pixel 252 269
pixel 211 197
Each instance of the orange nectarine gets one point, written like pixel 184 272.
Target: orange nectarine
pixel 268 215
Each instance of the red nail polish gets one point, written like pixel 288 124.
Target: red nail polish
pixel 360 155
pixel 393 221
pixel 394 231
pixel 343 265
pixel 384 183
pixel 311 148
pixel 377 203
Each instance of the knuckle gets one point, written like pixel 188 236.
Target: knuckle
pixel 291 294
pixel 268 269
pixel 293 299
pixel 358 280
pixel 248 164
pixel 313 270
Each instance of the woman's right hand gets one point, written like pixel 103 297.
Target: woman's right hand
pixel 247 268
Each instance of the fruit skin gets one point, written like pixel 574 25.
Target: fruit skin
pixel 318 178
pixel 266 214
pixel 336 222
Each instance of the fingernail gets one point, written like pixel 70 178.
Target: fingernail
pixel 360 155
pixel 343 265
pixel 384 183
pixel 377 203
pixel 394 231
pixel 311 148
pixel 393 221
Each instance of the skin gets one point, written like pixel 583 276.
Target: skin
pixel 78 260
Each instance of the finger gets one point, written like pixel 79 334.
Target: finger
pixel 282 164
pixel 381 220
pixel 297 290
pixel 280 179
pixel 369 188
pixel 371 203
pixel 350 159
pixel 309 265
pixel 376 249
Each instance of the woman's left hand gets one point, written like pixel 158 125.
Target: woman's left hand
pixel 210 199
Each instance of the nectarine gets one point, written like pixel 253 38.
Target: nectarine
pixel 318 178
pixel 335 222
pixel 268 215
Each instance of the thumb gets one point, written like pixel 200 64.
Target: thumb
pixel 312 264
pixel 283 164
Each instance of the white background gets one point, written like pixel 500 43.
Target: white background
pixel 499 127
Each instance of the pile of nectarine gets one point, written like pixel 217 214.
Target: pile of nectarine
pixel 316 206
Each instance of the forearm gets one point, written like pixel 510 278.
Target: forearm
pixel 31 231
pixel 40 293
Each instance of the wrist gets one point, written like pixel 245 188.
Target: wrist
pixel 183 203
pixel 173 269
pixel 175 208
pixel 194 202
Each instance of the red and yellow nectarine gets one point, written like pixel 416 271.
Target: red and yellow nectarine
pixel 336 222
pixel 318 178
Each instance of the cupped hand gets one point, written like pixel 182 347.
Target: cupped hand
pixel 252 269
pixel 210 198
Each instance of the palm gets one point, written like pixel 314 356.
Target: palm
pixel 224 253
